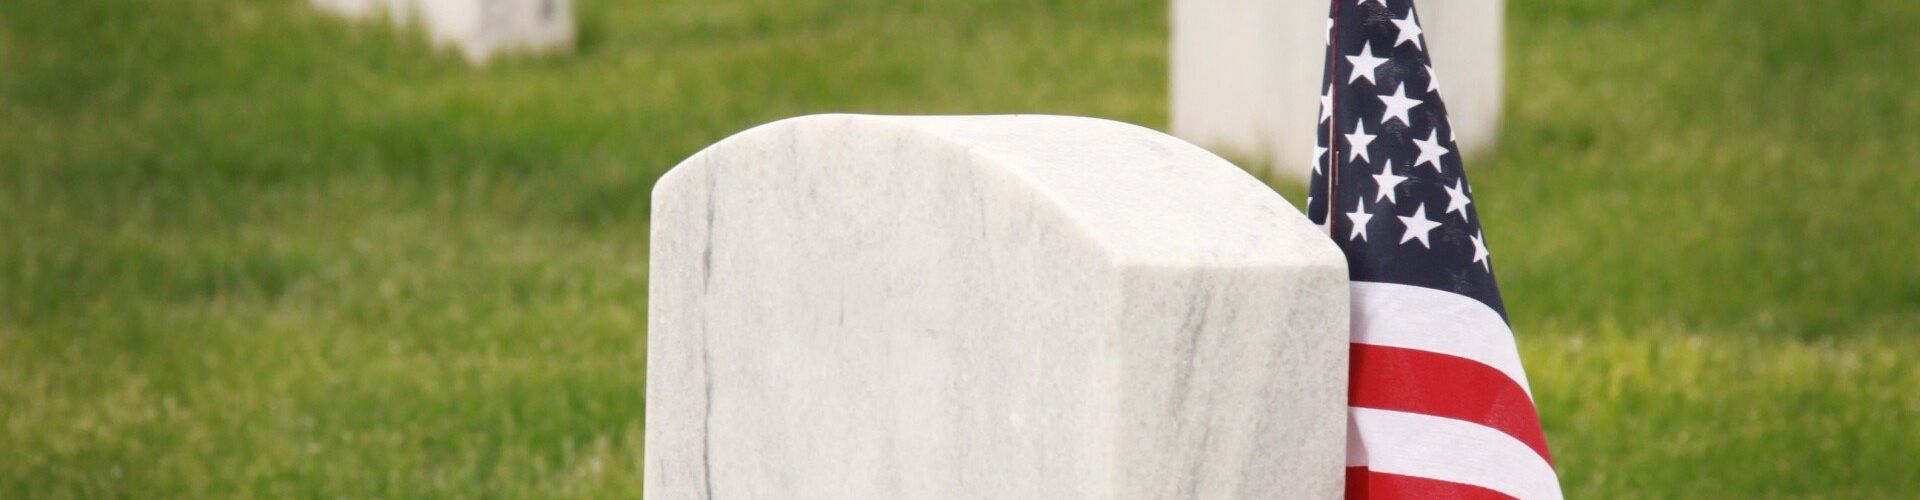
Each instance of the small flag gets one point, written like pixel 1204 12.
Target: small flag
pixel 1438 405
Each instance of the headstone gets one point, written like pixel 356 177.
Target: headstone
pixel 848 306
pixel 1245 73
pixel 480 29
pixel 396 10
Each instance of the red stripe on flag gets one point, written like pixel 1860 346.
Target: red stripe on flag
pixel 1366 484
pixel 1416 381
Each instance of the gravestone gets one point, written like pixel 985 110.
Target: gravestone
pixel 364 9
pixel 480 29
pixel 1246 73
pixel 849 306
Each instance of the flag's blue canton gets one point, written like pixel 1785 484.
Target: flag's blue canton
pixel 1402 210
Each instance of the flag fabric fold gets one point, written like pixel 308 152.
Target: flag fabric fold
pixel 1439 406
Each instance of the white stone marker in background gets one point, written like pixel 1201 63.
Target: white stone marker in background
pixel 1245 73
pixel 847 306
pixel 481 29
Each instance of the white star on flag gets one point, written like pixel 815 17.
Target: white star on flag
pixel 1359 218
pixel 1359 140
pixel 1480 252
pixel 1409 31
pixel 1430 151
pixel 1386 181
pixel 1457 200
pixel 1398 104
pixel 1419 227
pixel 1326 103
pixel 1364 64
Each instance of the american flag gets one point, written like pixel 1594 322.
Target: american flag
pixel 1438 405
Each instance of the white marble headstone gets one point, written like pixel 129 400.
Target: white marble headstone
pixel 480 29
pixel 1245 73
pixel 848 306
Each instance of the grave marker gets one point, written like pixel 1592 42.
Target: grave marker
pixel 480 29
pixel 847 306
pixel 1246 73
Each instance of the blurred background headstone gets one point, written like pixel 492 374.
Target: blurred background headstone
pixel 480 29
pixel 1246 72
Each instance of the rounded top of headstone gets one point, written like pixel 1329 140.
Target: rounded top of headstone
pixel 1143 198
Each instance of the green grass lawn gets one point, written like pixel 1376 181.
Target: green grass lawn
pixel 248 250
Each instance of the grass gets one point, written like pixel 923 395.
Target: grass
pixel 247 250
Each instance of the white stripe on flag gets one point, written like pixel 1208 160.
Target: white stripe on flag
pixel 1411 444
pixel 1436 321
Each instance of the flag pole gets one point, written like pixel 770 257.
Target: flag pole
pixel 1333 120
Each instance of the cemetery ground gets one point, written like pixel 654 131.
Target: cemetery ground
pixel 249 250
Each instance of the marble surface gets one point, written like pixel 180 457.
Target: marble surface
pixel 851 306
pixel 479 29
pixel 1246 73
